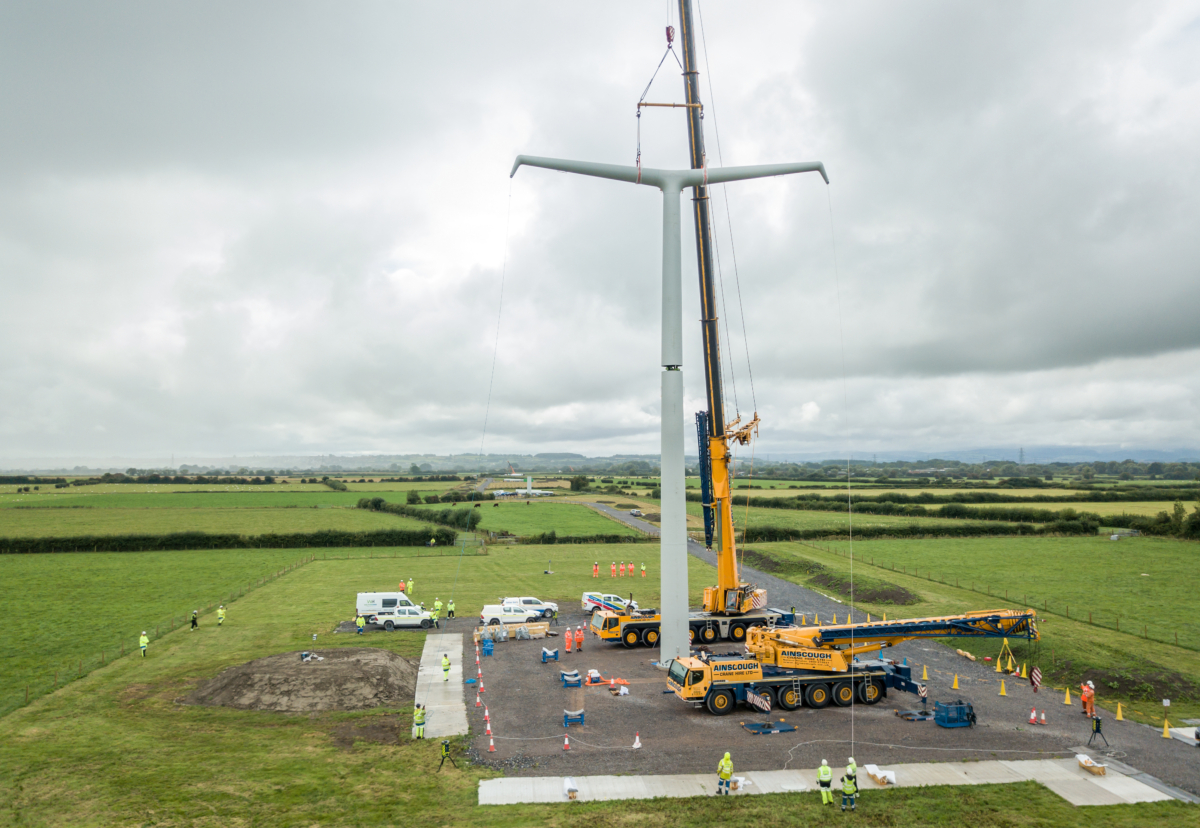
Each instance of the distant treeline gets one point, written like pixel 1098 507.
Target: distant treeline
pixel 24 478
pixel 336 485
pixel 553 537
pixel 178 479
pixel 466 519
pixel 766 534
pixel 816 502
pixel 204 540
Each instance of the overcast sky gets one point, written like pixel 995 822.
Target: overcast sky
pixel 280 227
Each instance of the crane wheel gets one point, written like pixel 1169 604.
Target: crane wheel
pixel 737 632
pixel 691 635
pixel 720 703
pixel 869 692
pixel 790 698
pixel 817 695
pixel 630 638
pixel 843 694
pixel 650 637
pixel 708 635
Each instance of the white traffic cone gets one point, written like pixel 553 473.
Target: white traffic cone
pixel 566 743
pixel 637 740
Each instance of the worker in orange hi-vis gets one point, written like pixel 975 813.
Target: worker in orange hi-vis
pixel 402 586
pixel 614 569
pixel 567 638
pixel 631 569
pixel 1089 699
pixel 622 568
pixel 596 569
pixel 579 638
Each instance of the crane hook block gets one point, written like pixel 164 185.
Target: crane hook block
pixel 670 35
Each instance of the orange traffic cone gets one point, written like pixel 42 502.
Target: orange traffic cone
pixel 566 743
pixel 612 682
pixel 482 689
pixel 488 732
pixel 486 716
pixel 479 673
pixel 491 745
pixel 1033 716
pixel 1043 721
pixel 637 740
pixel 478 701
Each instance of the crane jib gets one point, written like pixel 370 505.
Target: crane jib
pixel 705 475
pixel 990 626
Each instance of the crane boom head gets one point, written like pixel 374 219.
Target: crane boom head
pixel 832 648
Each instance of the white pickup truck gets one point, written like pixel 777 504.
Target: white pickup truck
pixel 530 604
pixel 593 601
pixel 508 614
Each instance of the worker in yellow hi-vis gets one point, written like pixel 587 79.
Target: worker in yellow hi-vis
pixel 724 774
pixel 220 615
pixel 825 781
pixel 143 642
pixel 445 667
pixel 410 582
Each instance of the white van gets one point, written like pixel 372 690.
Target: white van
pixel 382 604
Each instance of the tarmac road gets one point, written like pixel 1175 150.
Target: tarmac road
pixel 1137 745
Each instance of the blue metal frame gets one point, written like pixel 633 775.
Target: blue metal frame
pixel 705 476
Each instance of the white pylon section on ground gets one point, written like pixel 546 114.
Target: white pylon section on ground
pixel 445 710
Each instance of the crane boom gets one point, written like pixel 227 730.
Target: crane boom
pixel 730 596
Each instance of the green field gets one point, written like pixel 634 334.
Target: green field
pixel 70 607
pixel 322 496
pixel 116 749
pixel 802 519
pixel 543 516
pixel 245 521
pixel 1088 574
pixel 1057 570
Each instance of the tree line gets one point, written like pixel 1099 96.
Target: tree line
pixel 326 538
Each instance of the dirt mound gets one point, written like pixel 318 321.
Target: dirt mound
pixel 350 678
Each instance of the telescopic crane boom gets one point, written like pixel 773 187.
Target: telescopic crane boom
pixel 730 596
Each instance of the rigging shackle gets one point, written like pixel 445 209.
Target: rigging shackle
pixel 670 36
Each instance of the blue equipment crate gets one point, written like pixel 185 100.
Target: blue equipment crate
pixel 488 646
pixel 956 714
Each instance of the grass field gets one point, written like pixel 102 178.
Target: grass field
pixel 323 496
pixel 543 516
pixel 116 749
pixel 832 521
pixel 1087 574
pixel 245 521
pixel 1042 569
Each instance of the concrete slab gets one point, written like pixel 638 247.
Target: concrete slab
pixel 1083 792
pixel 1129 790
pixel 1187 735
pixel 445 711
pixel 781 781
pixel 1062 776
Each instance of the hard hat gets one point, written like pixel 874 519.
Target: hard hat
pixel 1091 685
pixel 824 763
pixel 143 632
pixel 851 760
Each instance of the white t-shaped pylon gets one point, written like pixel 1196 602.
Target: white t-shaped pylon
pixel 673 633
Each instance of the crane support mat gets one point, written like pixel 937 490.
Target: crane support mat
pixel 915 715
pixel 765 728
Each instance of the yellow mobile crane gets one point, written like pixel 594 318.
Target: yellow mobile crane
pixel 732 606
pixel 790 666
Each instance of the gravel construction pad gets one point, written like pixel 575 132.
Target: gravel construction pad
pixel 349 678
pixel 526 701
